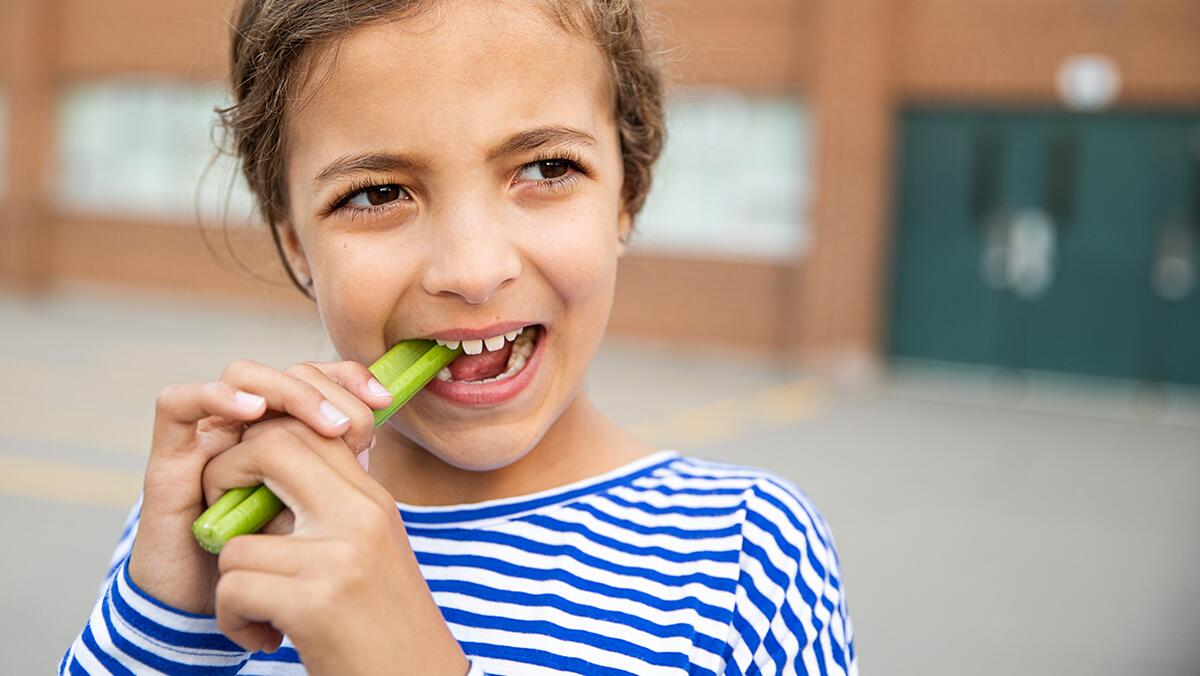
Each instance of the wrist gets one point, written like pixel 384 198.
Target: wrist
pixel 173 630
pixel 160 586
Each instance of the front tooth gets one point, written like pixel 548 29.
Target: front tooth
pixel 511 335
pixel 494 343
pixel 439 341
pixel 452 344
pixel 472 346
pixel 444 374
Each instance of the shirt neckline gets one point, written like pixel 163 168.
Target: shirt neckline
pixel 507 508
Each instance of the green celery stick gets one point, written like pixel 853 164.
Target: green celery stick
pixel 232 498
pixel 403 370
pixel 248 516
pixel 416 376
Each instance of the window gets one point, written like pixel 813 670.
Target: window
pixel 142 147
pixel 734 179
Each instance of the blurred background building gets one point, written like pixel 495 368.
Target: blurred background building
pixel 953 198
pixel 1002 182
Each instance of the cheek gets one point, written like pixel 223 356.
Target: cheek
pixel 578 256
pixel 359 282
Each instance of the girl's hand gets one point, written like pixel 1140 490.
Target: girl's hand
pixel 196 422
pixel 344 585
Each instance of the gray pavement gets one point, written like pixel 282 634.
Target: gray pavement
pixel 986 524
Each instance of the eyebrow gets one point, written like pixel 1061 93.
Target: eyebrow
pixel 523 141
pixel 348 165
pixel 540 137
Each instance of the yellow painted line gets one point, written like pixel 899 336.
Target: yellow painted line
pixel 68 482
pixel 790 403
pixel 727 419
pixel 707 424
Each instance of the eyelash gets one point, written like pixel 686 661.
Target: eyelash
pixel 552 185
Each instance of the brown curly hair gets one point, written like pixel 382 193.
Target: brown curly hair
pixel 271 40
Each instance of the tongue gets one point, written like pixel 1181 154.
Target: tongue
pixel 481 366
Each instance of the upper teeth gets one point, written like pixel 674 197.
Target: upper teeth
pixel 476 346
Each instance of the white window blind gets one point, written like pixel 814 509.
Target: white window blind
pixel 734 179
pixel 142 147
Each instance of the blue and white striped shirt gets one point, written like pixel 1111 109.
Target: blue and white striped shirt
pixel 668 565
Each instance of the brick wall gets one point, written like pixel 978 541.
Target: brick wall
pixel 859 62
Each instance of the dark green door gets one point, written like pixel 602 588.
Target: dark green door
pixel 1049 241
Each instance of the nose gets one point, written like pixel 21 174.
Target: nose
pixel 473 256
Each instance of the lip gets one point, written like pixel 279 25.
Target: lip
pixel 491 394
pixel 480 333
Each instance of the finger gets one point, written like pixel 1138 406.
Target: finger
pixel 179 407
pixel 357 379
pixel 265 554
pixel 278 453
pixel 334 453
pixel 362 419
pixel 288 394
pixel 250 604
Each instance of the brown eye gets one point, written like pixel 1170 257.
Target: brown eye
pixel 376 195
pixel 545 170
pixel 553 168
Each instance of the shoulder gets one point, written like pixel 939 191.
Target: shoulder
pixel 789 578
pixel 762 493
pixel 780 525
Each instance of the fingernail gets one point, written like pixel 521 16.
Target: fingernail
pixel 372 444
pixel 332 414
pixel 377 388
pixel 248 401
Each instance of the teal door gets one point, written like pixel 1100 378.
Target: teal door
pixel 1049 241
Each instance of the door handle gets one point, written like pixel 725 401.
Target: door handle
pixel 1020 253
pixel 1173 273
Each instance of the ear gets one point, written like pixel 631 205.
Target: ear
pixel 624 230
pixel 289 243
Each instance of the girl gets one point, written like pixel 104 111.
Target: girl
pixel 466 171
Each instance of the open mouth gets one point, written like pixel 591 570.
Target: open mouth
pixel 492 371
pixel 492 359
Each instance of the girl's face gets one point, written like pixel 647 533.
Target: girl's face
pixel 457 175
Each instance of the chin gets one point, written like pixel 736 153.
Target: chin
pixel 480 449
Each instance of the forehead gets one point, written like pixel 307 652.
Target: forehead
pixel 459 76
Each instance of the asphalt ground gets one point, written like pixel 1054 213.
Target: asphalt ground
pixel 986 523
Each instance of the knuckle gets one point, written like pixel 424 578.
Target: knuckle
pixel 303 370
pixel 213 389
pixel 343 556
pixel 354 368
pixel 324 599
pixel 373 518
pixel 272 456
pixel 266 428
pixel 225 622
pixel 230 586
pixel 167 397
pixel 237 367
pixel 295 431
pixel 307 392
pixel 270 434
pixel 255 431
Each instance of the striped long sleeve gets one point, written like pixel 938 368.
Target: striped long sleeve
pixel 667 565
pixel 790 616
pixel 129 631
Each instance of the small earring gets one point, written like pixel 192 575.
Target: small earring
pixel 623 239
